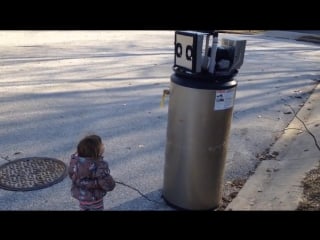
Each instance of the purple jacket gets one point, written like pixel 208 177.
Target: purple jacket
pixel 91 179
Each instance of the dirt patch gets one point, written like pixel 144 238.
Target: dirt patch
pixel 230 191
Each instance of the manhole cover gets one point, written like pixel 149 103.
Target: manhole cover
pixel 28 174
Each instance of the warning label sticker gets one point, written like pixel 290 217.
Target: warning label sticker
pixel 224 99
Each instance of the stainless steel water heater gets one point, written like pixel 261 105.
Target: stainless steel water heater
pixel 202 94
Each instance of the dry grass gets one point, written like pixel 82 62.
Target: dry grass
pixel 311 191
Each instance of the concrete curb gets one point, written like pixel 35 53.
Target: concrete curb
pixel 276 184
pixel 312 38
pixel 298 36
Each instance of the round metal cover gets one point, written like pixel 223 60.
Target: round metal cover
pixel 33 173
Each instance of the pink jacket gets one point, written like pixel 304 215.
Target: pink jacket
pixel 91 179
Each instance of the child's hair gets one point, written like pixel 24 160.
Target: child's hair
pixel 90 146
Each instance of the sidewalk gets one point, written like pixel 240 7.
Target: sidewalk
pixel 276 183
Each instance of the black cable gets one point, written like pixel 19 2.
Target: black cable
pixel 314 138
pixel 124 184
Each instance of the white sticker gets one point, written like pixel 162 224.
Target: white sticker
pixel 224 99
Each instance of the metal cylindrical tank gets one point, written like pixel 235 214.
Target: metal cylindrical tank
pixel 199 119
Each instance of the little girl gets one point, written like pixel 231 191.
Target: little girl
pixel 90 174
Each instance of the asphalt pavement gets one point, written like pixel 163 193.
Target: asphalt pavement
pixel 57 86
